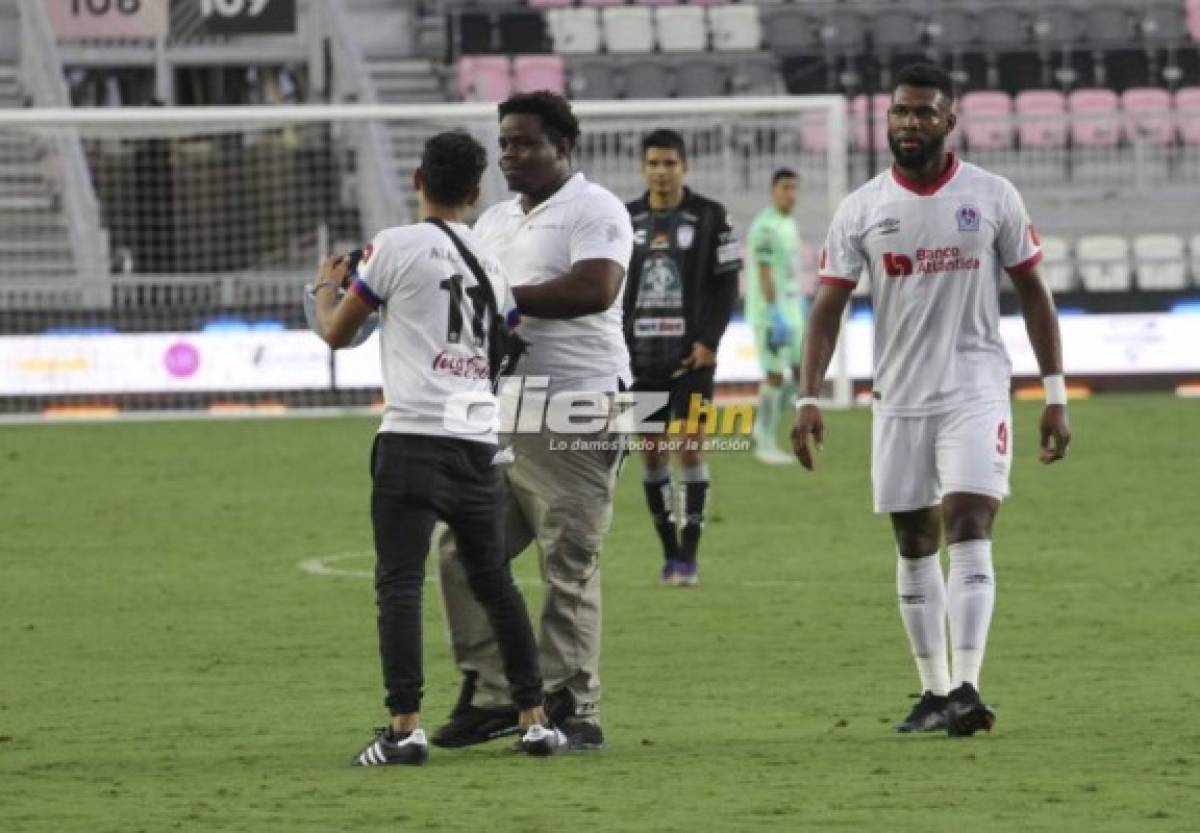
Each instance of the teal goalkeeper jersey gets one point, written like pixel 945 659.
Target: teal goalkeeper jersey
pixel 774 242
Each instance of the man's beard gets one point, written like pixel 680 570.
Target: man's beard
pixel 918 158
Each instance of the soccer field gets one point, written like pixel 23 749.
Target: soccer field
pixel 167 664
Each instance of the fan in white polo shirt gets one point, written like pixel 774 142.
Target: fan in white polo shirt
pixel 565 244
pixel 934 235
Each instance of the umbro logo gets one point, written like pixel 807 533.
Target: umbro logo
pixel 888 225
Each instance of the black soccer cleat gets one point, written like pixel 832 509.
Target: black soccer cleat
pixel 582 734
pixel 928 715
pixel 966 713
pixel 390 748
pixel 470 725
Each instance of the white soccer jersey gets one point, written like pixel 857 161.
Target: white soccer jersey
pixel 433 336
pixel 933 255
pixel 582 221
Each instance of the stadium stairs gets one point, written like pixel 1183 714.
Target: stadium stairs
pixel 34 238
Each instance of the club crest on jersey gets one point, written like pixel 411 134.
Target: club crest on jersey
pixel 968 218
pixel 660 241
pixel 684 235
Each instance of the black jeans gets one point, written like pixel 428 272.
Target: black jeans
pixel 418 480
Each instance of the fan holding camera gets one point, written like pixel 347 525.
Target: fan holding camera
pixel 441 300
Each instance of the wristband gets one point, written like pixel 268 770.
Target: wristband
pixel 805 401
pixel 1055 389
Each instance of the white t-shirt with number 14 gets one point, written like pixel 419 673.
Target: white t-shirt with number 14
pixel 934 256
pixel 433 333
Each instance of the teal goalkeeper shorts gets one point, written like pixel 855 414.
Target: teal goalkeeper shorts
pixel 787 356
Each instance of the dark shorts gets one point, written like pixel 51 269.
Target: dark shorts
pixel 681 390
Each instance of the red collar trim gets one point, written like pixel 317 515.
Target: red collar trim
pixel 922 189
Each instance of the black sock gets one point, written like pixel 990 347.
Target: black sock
pixel 695 495
pixel 660 499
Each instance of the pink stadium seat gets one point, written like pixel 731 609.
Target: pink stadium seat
pixel 987 120
pixel 539 72
pixel 858 120
pixel 656 2
pixel 1193 20
pixel 1042 116
pixel 1148 115
pixel 484 78
pixel 814 131
pixel 1094 120
pixel 1187 115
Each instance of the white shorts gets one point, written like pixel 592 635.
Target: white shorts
pixel 917 460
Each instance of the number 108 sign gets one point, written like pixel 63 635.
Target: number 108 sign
pixel 107 19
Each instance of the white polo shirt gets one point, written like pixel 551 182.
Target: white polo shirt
pixel 433 333
pixel 581 221
pixel 934 256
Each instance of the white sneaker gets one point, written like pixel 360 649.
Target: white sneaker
pixel 773 456
pixel 541 741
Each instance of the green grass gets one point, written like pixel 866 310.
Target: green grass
pixel 165 664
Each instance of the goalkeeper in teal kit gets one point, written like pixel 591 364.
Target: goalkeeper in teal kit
pixel 775 310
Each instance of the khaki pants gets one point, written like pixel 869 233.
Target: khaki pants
pixel 562 499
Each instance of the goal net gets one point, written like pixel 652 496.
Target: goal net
pixel 154 258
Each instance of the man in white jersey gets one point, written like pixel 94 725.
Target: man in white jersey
pixel 566 244
pixel 425 465
pixel 934 234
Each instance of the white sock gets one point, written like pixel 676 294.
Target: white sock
pixel 971 593
pixel 922 596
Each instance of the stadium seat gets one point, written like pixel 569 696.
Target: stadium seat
pixel 1193 21
pixel 681 29
pixel 814 131
pixel 951 29
pixel 595 80
pixel 1160 261
pixel 1002 26
pixel 484 78
pixel 1057 26
pixel 858 121
pixel 1187 114
pixel 648 79
pixel 1107 24
pixel 1042 120
pixel 842 31
pixel 895 29
pixel 1104 263
pixel 755 74
pixel 600 3
pixel 1057 270
pixel 700 79
pixel 785 30
pixel 1147 115
pixel 735 28
pixel 539 72
pixel 1094 119
pixel 1164 21
pixel 574 31
pixel 549 4
pixel 656 2
pixel 628 29
pixel 987 120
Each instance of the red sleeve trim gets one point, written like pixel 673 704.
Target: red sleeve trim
pixel 1025 265
pixel 834 280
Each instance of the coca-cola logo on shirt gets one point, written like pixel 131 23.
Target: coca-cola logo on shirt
pixel 464 367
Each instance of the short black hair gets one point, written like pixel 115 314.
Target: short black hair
pixel 928 76
pixel 558 121
pixel 666 139
pixel 452 164
pixel 782 173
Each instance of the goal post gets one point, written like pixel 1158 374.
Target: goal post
pixel 168 221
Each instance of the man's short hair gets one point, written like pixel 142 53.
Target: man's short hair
pixel 927 76
pixel 665 139
pixel 782 173
pixel 558 121
pixel 452 164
